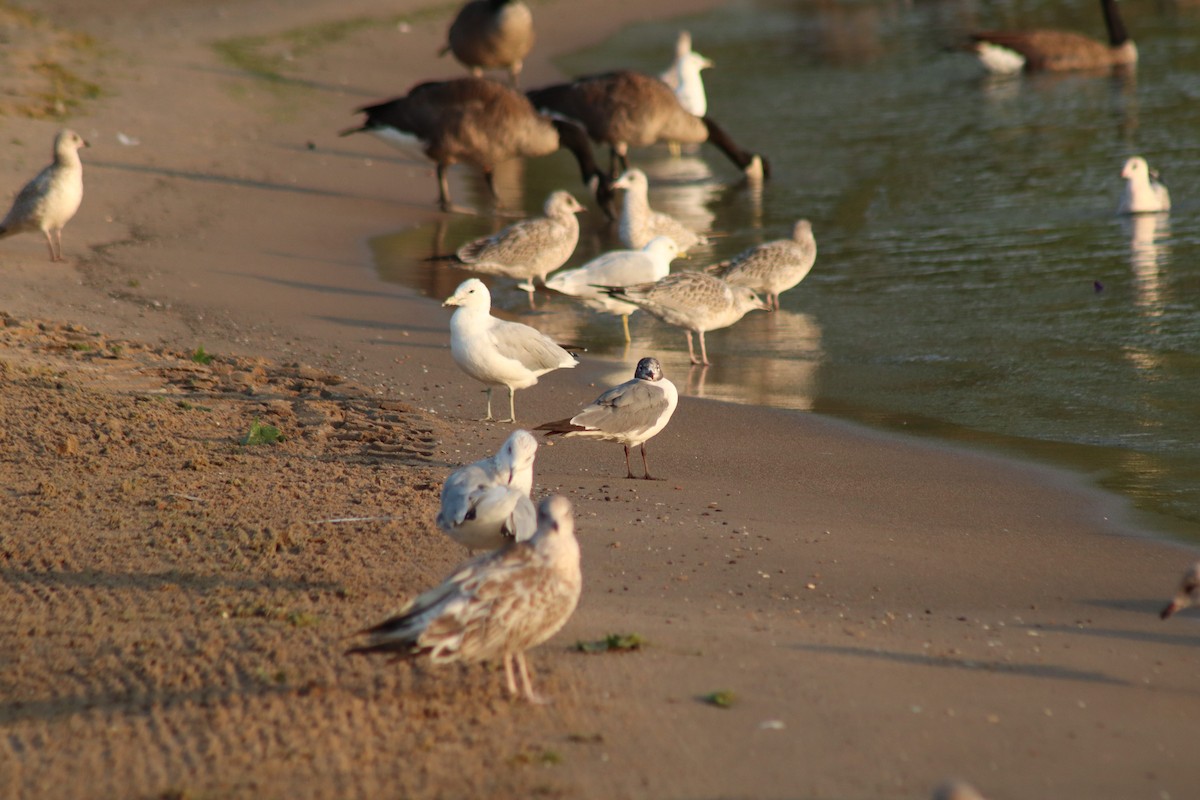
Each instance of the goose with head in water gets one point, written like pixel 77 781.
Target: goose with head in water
pixel 480 122
pixel 625 109
pixel 1056 50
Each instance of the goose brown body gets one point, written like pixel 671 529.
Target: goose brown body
pixel 1057 50
pixel 492 34
pixel 479 122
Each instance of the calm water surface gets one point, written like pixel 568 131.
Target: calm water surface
pixel 973 282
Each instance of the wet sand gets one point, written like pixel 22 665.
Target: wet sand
pixel 886 612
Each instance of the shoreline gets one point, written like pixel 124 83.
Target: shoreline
pixel 887 611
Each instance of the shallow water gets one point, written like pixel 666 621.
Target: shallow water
pixel 973 282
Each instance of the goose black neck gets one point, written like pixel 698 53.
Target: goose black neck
pixel 1117 35
pixel 723 142
pixel 574 138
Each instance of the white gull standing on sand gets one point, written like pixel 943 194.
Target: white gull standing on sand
pixel 772 267
pixel 495 605
pixel 617 268
pixel 496 352
pixel 639 223
pixel 1188 594
pixel 694 301
pixel 531 248
pixel 486 504
pixel 48 202
pixel 683 76
pixel 1143 192
pixel 632 413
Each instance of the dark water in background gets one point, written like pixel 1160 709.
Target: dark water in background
pixel 973 282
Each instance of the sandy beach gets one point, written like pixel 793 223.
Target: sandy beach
pixel 885 613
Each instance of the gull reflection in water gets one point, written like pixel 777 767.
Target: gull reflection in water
pixel 1149 256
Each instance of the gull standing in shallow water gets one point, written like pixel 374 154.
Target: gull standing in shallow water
pixel 617 268
pixel 496 605
pixel 1144 193
pixel 1188 594
pixel 48 202
pixel 486 504
pixel 631 413
pixel 531 248
pixel 693 301
pixel 496 352
pixel 772 267
pixel 640 223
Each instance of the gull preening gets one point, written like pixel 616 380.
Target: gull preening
pixel 497 352
pixel 1144 193
pixel 529 249
pixel 694 301
pixel 1188 594
pixel 486 504
pixel 496 605
pixel 772 267
pixel 683 76
pixel 626 109
pixel 480 122
pixel 639 223
pixel 630 414
pixel 48 202
pixel 491 34
pixel 616 268
pixel 1006 52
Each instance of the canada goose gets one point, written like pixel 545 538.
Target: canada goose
pixel 1143 192
pixel 491 34
pixel 481 122
pixel 1054 50
pixel 629 109
pixel 48 202
pixel 772 267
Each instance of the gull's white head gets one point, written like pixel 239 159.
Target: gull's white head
pixel 67 143
pixel 632 180
pixel 518 451
pixel 1136 168
pixel 471 293
pixel 561 203
pixel 555 518
pixel 744 299
pixel 662 247
pixel 803 231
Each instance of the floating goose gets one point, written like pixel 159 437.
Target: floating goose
pixel 630 414
pixel 639 223
pixel 486 504
pixel 629 109
pixel 48 202
pixel 1143 192
pixel 496 605
pixel 480 122
pixel 491 34
pixel 693 301
pixel 531 248
pixel 683 76
pixel 617 268
pixel 1188 594
pixel 1054 50
pixel 772 267
pixel 496 352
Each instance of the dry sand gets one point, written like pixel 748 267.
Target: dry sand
pixel 886 613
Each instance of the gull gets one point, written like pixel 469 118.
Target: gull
pixel 617 268
pixel 491 34
pixel 486 504
pixel 683 76
pixel 48 202
pixel 1143 192
pixel 531 248
pixel 496 352
pixel 772 267
pixel 495 605
pixel 694 301
pixel 1189 592
pixel 639 223
pixel 631 413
